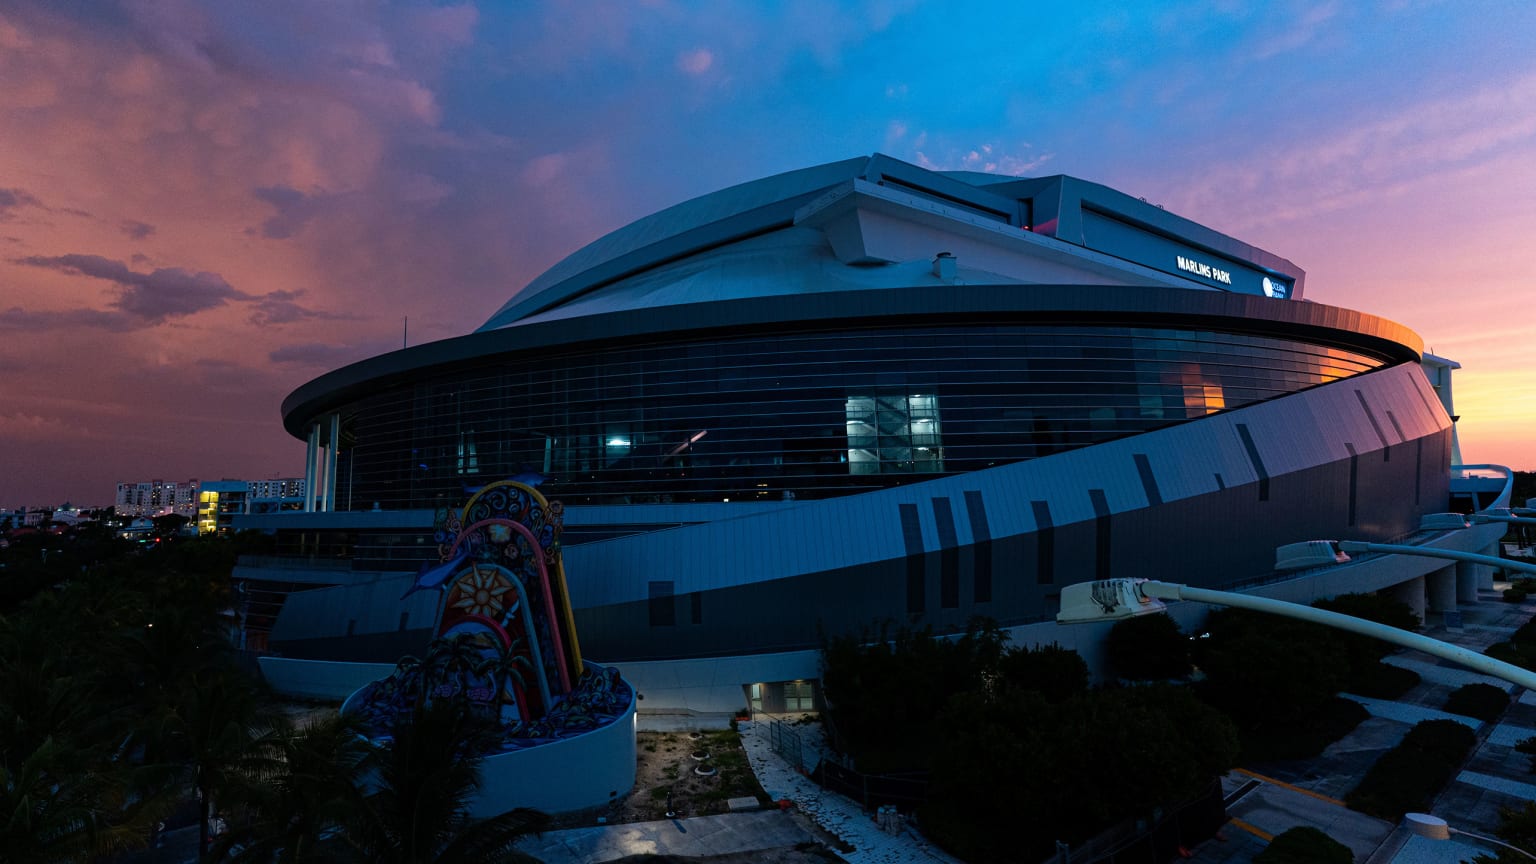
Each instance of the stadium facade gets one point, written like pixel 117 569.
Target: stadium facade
pixel 857 394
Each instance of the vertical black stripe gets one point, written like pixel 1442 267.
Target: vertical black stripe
pixel 1427 402
pixel 1253 457
pixel 1148 482
pixel 1354 480
pixel 949 555
pixel 1045 543
pixel 1220 483
pixel 912 538
pixel 1401 438
pixel 1100 533
pixel 1418 473
pixel 1380 436
pixel 981 542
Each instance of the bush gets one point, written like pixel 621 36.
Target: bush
pixel 1514 595
pixel 1148 648
pixel 1302 735
pixel 1483 701
pixel 1528 747
pixel 1054 672
pixel 1304 845
pixel 1381 680
pixel 1407 777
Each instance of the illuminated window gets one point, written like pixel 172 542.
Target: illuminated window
pixel 893 434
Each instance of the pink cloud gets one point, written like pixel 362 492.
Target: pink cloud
pixel 696 62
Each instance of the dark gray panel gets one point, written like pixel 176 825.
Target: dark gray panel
pixel 949 554
pixel 981 536
pixel 912 539
pixel 1148 480
pixel 1255 459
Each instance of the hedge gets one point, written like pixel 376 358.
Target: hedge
pixel 1407 777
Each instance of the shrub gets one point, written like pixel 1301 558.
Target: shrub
pixel 1483 701
pixel 1381 680
pixel 1302 735
pixel 1054 672
pixel 1148 648
pixel 1514 595
pixel 1407 777
pixel 1304 845
pixel 1528 747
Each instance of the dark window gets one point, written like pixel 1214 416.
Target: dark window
pixel 663 609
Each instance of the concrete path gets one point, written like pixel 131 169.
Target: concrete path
pixel 835 814
pixel 700 835
pixel 1263 807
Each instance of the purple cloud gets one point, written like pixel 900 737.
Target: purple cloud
pixel 15 199
pixel 278 307
pixel 19 319
pixel 169 292
pixel 294 208
pixel 135 229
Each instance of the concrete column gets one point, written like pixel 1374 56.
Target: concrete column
pixel 1441 587
pixel 309 468
pixel 1410 593
pixel 1485 580
pixel 331 463
pixel 1466 582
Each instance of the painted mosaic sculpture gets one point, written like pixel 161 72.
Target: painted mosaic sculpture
pixel 505 641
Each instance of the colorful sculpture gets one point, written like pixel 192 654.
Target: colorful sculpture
pixel 505 640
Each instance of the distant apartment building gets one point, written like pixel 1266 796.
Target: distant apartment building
pixel 219 501
pixel 157 498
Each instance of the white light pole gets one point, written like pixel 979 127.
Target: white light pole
pixel 1435 828
pixel 1112 599
pixel 1299 563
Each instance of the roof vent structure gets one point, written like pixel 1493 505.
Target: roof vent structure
pixel 945 266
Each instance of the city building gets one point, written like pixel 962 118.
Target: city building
pixel 862 394
pixel 156 498
pixel 220 501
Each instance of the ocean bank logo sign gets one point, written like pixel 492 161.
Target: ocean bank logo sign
pixel 1200 268
pixel 1273 288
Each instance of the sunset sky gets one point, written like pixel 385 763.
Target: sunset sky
pixel 204 205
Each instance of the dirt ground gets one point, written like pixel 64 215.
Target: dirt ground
pixel 681 774
pixel 667 773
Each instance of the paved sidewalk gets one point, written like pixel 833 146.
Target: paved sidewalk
pixel 839 816
pixel 700 835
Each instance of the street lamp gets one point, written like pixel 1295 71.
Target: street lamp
pixel 1113 599
pixel 1435 828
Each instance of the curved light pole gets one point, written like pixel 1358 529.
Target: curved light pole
pixel 1113 599
pixel 1435 828
pixel 1398 549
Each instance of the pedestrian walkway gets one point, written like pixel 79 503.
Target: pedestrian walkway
pixel 1494 776
pixel 697 836
pixel 838 816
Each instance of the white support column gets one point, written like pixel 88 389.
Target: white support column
pixel 1466 582
pixel 1441 586
pixel 310 478
pixel 331 463
pixel 1491 573
pixel 1410 593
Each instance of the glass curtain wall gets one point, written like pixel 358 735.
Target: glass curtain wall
pixel 803 415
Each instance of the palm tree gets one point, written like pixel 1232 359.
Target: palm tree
pixel 300 785
pixel 419 809
pixel 55 810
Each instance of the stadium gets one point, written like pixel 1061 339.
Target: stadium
pixel 866 394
